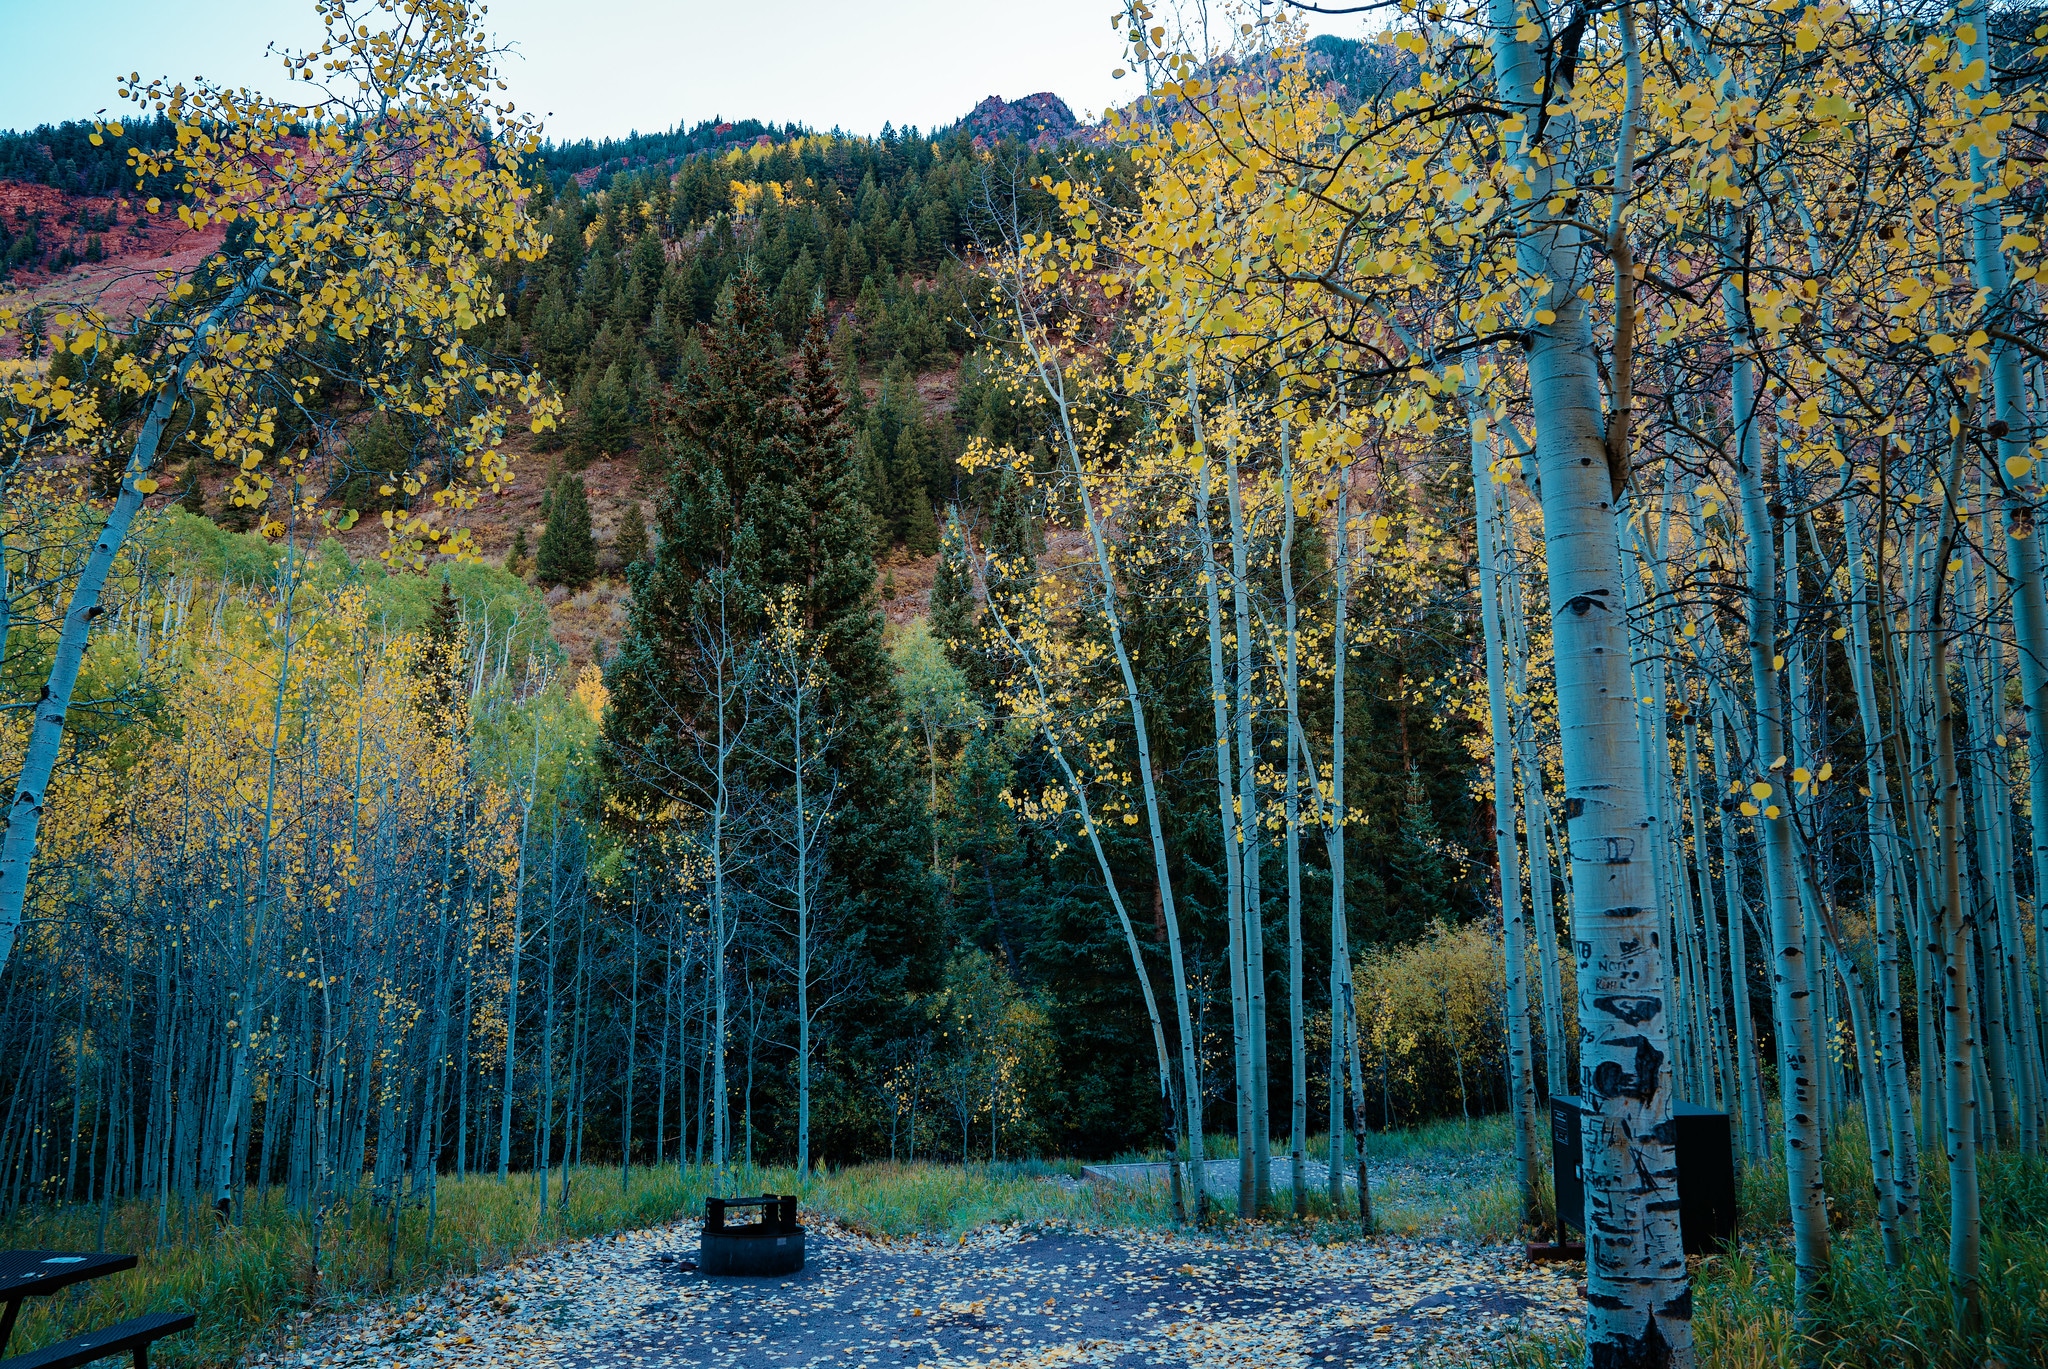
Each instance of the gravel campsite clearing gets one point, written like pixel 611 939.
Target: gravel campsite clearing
pixel 1039 1295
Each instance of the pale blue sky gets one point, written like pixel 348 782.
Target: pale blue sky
pixel 609 66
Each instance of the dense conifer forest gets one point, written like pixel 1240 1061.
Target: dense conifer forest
pixel 1384 582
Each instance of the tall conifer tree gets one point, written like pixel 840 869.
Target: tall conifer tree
pixel 567 553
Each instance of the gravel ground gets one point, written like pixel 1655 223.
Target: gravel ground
pixel 1038 1296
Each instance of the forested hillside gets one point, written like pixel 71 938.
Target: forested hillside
pixel 1381 581
pixel 821 292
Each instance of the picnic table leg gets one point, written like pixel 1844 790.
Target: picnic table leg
pixel 7 1322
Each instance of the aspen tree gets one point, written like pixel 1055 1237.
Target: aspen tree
pixel 389 212
pixel 1507 859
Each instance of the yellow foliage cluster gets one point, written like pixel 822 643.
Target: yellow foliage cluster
pixel 366 224
pixel 1430 1018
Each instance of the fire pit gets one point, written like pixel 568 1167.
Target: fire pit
pixel 771 1246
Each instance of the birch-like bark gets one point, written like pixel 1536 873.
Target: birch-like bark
pixel 1190 1207
pixel 1250 837
pixel 1297 1041
pixel 1883 840
pixel 1226 805
pixel 1507 851
pixel 1790 978
pixel 1640 1302
pixel 46 733
pixel 2013 427
pixel 1054 387
pixel 1343 1007
pixel 517 949
pixel 1537 824
pixel 1958 931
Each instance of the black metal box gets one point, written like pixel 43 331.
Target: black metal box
pixel 1706 1172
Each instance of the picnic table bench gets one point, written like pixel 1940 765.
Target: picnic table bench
pixel 28 1274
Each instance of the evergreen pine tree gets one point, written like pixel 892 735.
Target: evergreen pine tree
pixel 568 552
pixel 1014 540
pixel 604 415
pixel 440 662
pixel 192 494
pixel 1424 882
pixel 820 523
pixel 763 493
pixel 515 560
pixel 629 544
pixel 920 528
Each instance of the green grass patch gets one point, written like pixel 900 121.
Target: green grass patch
pixel 1873 1317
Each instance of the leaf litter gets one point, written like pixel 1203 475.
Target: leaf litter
pixel 1039 1296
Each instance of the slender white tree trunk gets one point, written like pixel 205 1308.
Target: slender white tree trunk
pixel 1250 836
pixel 1507 852
pixel 1297 1042
pixel 1226 804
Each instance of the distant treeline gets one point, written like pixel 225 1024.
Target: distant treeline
pixel 63 155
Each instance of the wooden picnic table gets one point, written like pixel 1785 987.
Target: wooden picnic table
pixel 38 1273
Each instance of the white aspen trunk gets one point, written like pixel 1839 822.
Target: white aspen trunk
pixel 251 941
pixel 1191 1079
pixel 1891 1034
pixel 517 949
pixel 632 1052
pixel 1240 1026
pixel 544 1124
pixel 1927 936
pixel 1958 936
pixel 1991 860
pixel 1188 1204
pixel 1536 823
pixel 1343 1015
pixel 1507 852
pixel 1297 1041
pixel 1251 840
pixel 2012 425
pixel 1639 1296
pixel 803 959
pixel 1798 749
pixel 721 1130
pixel 1723 1066
pixel 46 732
pixel 1791 983
pixel 2022 1040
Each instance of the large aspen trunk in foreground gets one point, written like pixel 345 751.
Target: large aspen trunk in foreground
pixel 1638 1294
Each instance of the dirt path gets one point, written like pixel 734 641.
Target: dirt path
pixel 1005 1296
